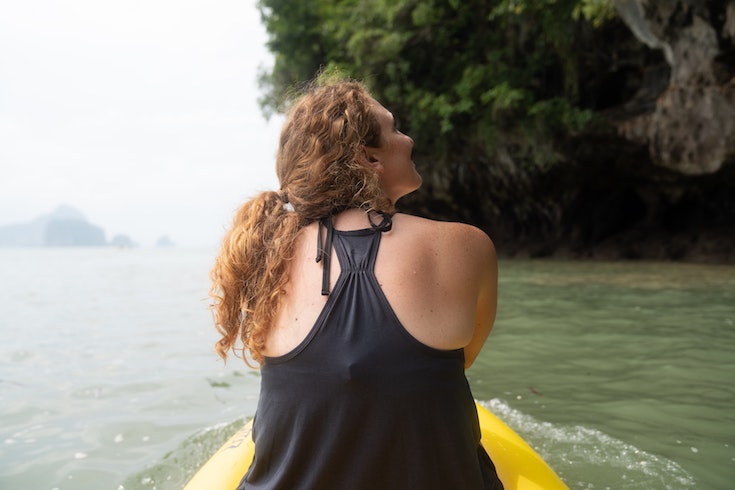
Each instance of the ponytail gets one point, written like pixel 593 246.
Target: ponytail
pixel 323 169
pixel 250 272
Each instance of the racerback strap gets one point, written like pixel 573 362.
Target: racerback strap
pixel 324 248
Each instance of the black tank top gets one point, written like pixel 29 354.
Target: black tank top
pixel 362 404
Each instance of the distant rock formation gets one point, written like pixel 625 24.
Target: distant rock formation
pixel 122 241
pixel 73 233
pixel 23 234
pixel 164 242
pixel 65 226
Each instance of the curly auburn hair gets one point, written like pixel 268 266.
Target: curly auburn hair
pixel 323 169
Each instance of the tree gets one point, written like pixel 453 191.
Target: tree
pixel 510 103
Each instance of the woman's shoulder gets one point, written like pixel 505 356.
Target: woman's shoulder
pixel 442 234
pixel 449 249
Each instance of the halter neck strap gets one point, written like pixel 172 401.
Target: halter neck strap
pixel 324 247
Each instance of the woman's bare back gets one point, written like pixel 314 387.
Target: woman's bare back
pixel 439 278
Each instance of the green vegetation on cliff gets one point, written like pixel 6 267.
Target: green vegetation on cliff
pixel 452 70
pixel 515 107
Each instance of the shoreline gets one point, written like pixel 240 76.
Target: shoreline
pixel 716 248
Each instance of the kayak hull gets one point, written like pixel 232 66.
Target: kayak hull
pixel 518 465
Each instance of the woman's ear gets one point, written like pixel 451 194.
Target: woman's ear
pixel 372 158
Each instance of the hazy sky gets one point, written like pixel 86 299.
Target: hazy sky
pixel 140 113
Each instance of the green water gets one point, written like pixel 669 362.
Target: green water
pixel 632 364
pixel 620 375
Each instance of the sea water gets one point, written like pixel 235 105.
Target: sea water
pixel 619 374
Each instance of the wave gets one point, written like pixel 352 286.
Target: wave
pixel 177 467
pixel 587 458
pixel 584 458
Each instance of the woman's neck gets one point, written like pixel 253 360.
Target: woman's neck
pixel 351 219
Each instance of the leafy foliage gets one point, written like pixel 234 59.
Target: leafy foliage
pixel 468 69
pixel 488 90
pixel 508 102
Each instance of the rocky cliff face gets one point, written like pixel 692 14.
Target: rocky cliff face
pixel 657 182
pixel 691 129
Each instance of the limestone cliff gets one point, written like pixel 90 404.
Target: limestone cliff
pixel 691 129
pixel 655 180
pixel 65 226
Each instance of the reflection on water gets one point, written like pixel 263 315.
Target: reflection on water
pixel 620 374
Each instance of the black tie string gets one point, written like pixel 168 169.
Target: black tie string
pixel 325 252
pixel 324 249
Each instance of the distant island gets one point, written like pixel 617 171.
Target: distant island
pixel 63 227
pixel 164 242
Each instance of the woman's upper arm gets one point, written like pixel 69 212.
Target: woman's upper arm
pixel 486 267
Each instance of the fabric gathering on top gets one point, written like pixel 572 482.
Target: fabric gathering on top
pixel 361 404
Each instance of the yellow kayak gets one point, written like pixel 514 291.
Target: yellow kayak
pixel 518 465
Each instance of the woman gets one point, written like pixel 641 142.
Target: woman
pixel 362 320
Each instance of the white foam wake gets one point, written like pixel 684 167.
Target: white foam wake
pixel 590 459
